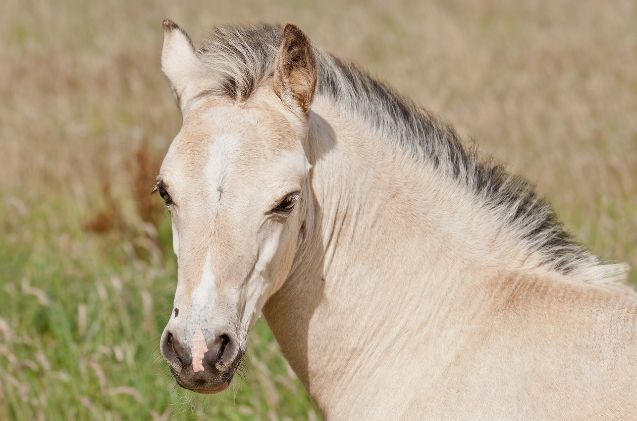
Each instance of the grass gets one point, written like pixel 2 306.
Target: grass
pixel 86 272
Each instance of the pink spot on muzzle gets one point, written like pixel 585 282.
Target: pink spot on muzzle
pixel 198 350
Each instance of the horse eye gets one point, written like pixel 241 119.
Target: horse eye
pixel 286 205
pixel 161 189
pixel 164 195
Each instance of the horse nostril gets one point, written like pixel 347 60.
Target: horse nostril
pixel 174 350
pixel 224 343
pixel 222 352
pixel 171 346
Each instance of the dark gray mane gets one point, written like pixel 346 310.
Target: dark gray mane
pixel 244 58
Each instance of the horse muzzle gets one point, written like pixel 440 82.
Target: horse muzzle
pixel 207 365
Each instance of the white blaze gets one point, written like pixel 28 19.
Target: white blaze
pixel 222 153
pixel 203 301
pixel 204 296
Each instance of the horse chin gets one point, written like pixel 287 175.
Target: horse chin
pixel 207 391
pixel 200 386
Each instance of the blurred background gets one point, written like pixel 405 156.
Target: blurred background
pixel 87 274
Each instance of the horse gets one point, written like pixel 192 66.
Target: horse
pixel 403 275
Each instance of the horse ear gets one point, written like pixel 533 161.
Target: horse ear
pixel 295 70
pixel 178 59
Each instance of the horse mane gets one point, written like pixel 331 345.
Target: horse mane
pixel 243 57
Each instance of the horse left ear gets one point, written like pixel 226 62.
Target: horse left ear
pixel 295 70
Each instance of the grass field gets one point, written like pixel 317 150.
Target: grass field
pixel 86 271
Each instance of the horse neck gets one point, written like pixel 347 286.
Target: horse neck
pixel 390 250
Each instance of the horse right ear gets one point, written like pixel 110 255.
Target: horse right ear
pixel 295 70
pixel 179 61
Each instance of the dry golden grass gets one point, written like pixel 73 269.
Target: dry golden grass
pixel 548 87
